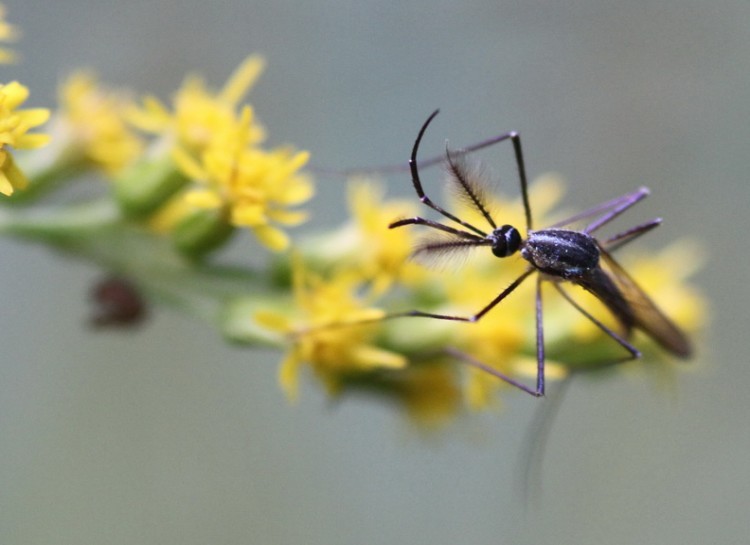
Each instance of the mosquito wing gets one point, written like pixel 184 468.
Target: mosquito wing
pixel 646 315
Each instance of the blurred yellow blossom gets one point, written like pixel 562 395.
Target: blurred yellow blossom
pixel 201 116
pixel 92 117
pixel 330 330
pixel 381 254
pixel 14 127
pixel 255 186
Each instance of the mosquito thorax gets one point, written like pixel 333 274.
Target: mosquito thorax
pixel 561 252
pixel 505 240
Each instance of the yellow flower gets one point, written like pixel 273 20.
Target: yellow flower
pixel 92 115
pixel 14 127
pixel 256 186
pixel 8 33
pixel 381 254
pixel 201 116
pixel 431 393
pixel 325 333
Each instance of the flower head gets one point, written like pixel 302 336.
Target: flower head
pixel 233 181
pixel 92 115
pixel 15 125
pixel 333 330
pixel 255 186
pixel 365 243
pixel 199 115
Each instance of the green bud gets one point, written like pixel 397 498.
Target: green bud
pixel 201 231
pixel 147 185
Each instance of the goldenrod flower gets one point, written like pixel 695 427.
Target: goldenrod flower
pixel 15 125
pixel 92 117
pixel 365 243
pixel 317 337
pixel 256 187
pixel 201 116
pixel 431 393
pixel 8 33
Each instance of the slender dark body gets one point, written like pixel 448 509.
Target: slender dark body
pixel 557 254
pixel 574 256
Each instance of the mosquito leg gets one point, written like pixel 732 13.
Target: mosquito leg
pixel 436 225
pixel 539 339
pixel 627 202
pixel 418 183
pixel 598 209
pixel 473 362
pixel 634 352
pixel 621 239
pixel 419 314
pixel 476 317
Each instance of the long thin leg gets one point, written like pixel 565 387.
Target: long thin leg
pixel 472 361
pixel 629 235
pixel 634 352
pixel 404 167
pixel 539 339
pixel 474 318
pixel 418 184
pixel 513 136
pixel 602 207
pixel 539 390
pixel 419 314
pixel 636 196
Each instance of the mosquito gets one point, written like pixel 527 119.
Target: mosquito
pixel 556 254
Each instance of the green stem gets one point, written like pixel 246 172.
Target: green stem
pixel 96 232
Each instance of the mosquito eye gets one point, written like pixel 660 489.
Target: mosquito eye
pixel 505 241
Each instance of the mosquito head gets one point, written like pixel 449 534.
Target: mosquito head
pixel 506 240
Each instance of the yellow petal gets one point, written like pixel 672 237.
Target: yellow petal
pixel 272 320
pixel 271 237
pixel 369 356
pixel 289 376
pixel 203 198
pixel 288 217
pixel 31 141
pixel 188 165
pixel 243 78
pixel 297 192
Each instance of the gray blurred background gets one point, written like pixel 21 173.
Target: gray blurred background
pixel 167 435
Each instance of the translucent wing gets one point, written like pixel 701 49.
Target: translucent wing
pixel 646 315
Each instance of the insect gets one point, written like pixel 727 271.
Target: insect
pixel 555 254
pixel 118 303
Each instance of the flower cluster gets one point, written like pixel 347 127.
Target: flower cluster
pixel 15 123
pixel 217 145
pixel 184 177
